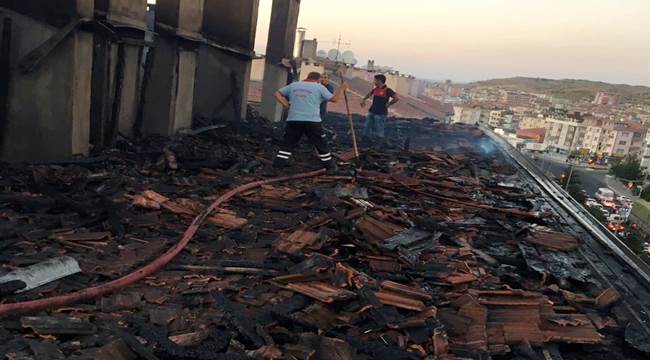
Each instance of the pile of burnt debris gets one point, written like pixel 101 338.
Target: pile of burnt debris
pixel 433 246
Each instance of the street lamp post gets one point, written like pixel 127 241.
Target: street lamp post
pixel 568 179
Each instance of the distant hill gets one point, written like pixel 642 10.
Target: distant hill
pixel 568 89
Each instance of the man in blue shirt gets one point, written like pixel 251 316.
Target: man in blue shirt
pixel 325 80
pixel 303 100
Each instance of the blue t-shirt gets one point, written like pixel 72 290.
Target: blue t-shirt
pixel 305 98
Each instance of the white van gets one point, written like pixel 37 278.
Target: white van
pixel 604 194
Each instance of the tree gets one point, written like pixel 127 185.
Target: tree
pixel 595 212
pixel 634 241
pixel 575 153
pixel 627 169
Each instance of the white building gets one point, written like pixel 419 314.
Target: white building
pixel 615 138
pixel 594 135
pixel 466 115
pixel 566 134
pixel 532 122
pixel 645 159
pixel 501 119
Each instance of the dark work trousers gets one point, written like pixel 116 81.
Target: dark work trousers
pixel 294 132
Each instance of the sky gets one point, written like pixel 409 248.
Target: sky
pixel 468 40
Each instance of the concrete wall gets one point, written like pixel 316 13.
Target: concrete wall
pixel 215 84
pixel 257 69
pixel 231 22
pixel 309 48
pixel 392 81
pixel 56 13
pixel 117 77
pixel 49 108
pixel 131 83
pixel 130 12
pixel 184 15
pixel 417 88
pixel 201 67
pixel 169 99
pixel 305 69
pixel 160 98
pixel 185 90
pixel 466 115
pixel 222 79
pixel 190 19
pixel 280 44
pixel 404 85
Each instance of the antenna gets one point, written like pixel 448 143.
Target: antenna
pixel 338 44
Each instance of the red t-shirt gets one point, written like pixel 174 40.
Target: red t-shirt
pixel 380 98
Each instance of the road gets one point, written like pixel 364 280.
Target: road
pixel 590 179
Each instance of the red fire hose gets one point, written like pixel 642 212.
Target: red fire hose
pixel 164 259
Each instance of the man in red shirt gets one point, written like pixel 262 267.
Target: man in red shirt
pixel 382 98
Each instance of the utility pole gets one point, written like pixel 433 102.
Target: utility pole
pixel 338 47
pixel 568 179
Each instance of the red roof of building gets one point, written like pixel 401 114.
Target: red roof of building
pixel 407 107
pixel 533 134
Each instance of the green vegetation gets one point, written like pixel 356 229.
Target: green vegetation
pixel 595 212
pixel 575 153
pixel 627 169
pixel 635 241
pixel 570 90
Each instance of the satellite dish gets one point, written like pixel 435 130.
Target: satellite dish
pixel 334 55
pixel 321 53
pixel 347 57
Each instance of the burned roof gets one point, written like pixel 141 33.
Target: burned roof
pixel 434 245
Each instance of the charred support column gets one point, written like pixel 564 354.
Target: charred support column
pixel 48 112
pixel 224 60
pixel 116 69
pixel 282 34
pixel 170 90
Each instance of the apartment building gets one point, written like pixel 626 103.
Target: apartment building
pixel 532 122
pixel 615 138
pixel 645 158
pixel 464 114
pixel 606 98
pixel 501 119
pixel 564 133
pixel 515 99
pixel 624 138
pixel 594 135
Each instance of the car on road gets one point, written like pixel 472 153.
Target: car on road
pixel 609 204
pixel 646 247
pixel 616 228
pixel 591 202
pixel 598 206
pixel 615 219
pixel 624 199
pixel 605 212
pixel 604 194
pixel 625 213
